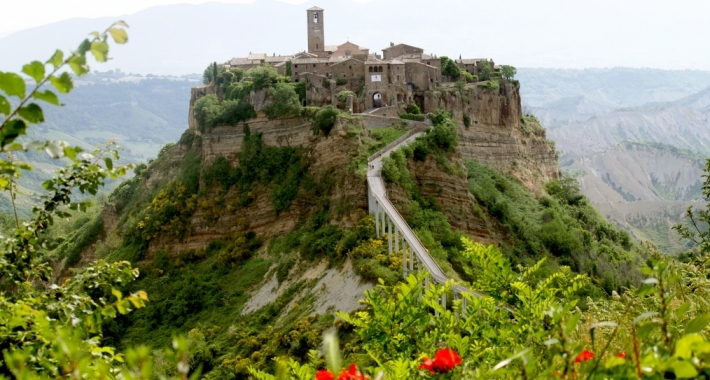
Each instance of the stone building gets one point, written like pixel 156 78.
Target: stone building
pixel 390 79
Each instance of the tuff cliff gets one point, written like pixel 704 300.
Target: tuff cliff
pixel 493 131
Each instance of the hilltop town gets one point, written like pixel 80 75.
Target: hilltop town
pixel 390 79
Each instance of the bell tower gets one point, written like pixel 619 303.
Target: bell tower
pixel 316 31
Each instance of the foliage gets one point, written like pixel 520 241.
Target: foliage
pixel 414 109
pixel 284 102
pixel 281 168
pixel 210 112
pixel 412 116
pixel 508 72
pixel 490 85
pixel 341 82
pixel 696 230
pixel 562 226
pixel 470 78
pixel 449 68
pixel 485 70
pixel 324 120
pixel 343 95
pixel 48 330
pixel 658 330
pixel 300 88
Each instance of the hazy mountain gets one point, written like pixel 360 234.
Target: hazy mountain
pixel 683 124
pixel 616 87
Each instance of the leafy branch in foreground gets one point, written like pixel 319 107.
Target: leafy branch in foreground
pixel 50 331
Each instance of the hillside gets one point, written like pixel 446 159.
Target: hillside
pixel 263 221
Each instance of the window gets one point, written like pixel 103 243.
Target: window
pixel 428 63
pixel 295 66
pixel 314 65
pixel 315 17
pixel 369 69
pixel 350 67
pixel 316 46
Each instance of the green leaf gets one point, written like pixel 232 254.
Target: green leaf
pixel 109 163
pixel 48 96
pixel 645 315
pixel 684 370
pixel 32 113
pixel 119 35
pixel 12 84
pixel 100 50
pixel 4 106
pixel 572 323
pixel 57 59
pixel 13 128
pixel 78 65
pixel 35 70
pixel 84 46
pixel 120 23
pixel 698 324
pixel 63 83
pixel 55 149
pixel 683 309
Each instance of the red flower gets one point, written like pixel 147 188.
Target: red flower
pixel 446 359
pixel 351 374
pixel 584 356
pixel 621 355
pixel 428 365
pixel 324 374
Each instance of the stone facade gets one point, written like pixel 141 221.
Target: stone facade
pixel 396 78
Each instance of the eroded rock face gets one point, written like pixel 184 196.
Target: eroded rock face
pixel 495 136
pixel 329 157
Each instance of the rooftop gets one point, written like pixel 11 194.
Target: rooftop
pixel 314 9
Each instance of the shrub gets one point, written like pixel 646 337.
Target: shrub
pixel 263 77
pixel 414 109
pixel 466 121
pixel 284 102
pixel 410 116
pixel 343 95
pixel 300 88
pixel 341 82
pixel 450 68
pixel 325 119
pixel 326 83
pixel 202 108
pixel 490 85
pixel 209 112
pixel 485 69
pixel 470 77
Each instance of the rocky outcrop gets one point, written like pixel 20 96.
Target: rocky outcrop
pixel 495 135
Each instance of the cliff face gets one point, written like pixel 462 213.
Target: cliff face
pixel 328 156
pixel 495 135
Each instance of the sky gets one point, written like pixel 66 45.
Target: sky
pixel 526 33
pixel 25 13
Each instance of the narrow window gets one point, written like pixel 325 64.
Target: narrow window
pixel 316 46
pixel 315 17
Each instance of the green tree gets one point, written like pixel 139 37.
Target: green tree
pixel 508 71
pixel 325 119
pixel 449 68
pixel 485 70
pixel 284 102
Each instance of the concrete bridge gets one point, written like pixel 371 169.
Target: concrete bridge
pixel 400 236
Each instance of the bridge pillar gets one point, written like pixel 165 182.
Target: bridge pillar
pixel 377 219
pixel 389 235
pixel 411 260
pixel 396 240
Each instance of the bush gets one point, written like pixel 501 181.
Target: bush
pixel 341 82
pixel 490 85
pixel 470 77
pixel 209 112
pixel 325 119
pixel 284 102
pixel 343 95
pixel 326 83
pixel 410 116
pixel 414 109
pixel 263 77
pixel 300 88
pixel 450 68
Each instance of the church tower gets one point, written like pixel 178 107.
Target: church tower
pixel 316 31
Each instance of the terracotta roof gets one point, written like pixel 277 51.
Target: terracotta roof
pixel 393 46
pixel 309 60
pixel 278 58
pixel 256 56
pixel 240 61
pixel 315 9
